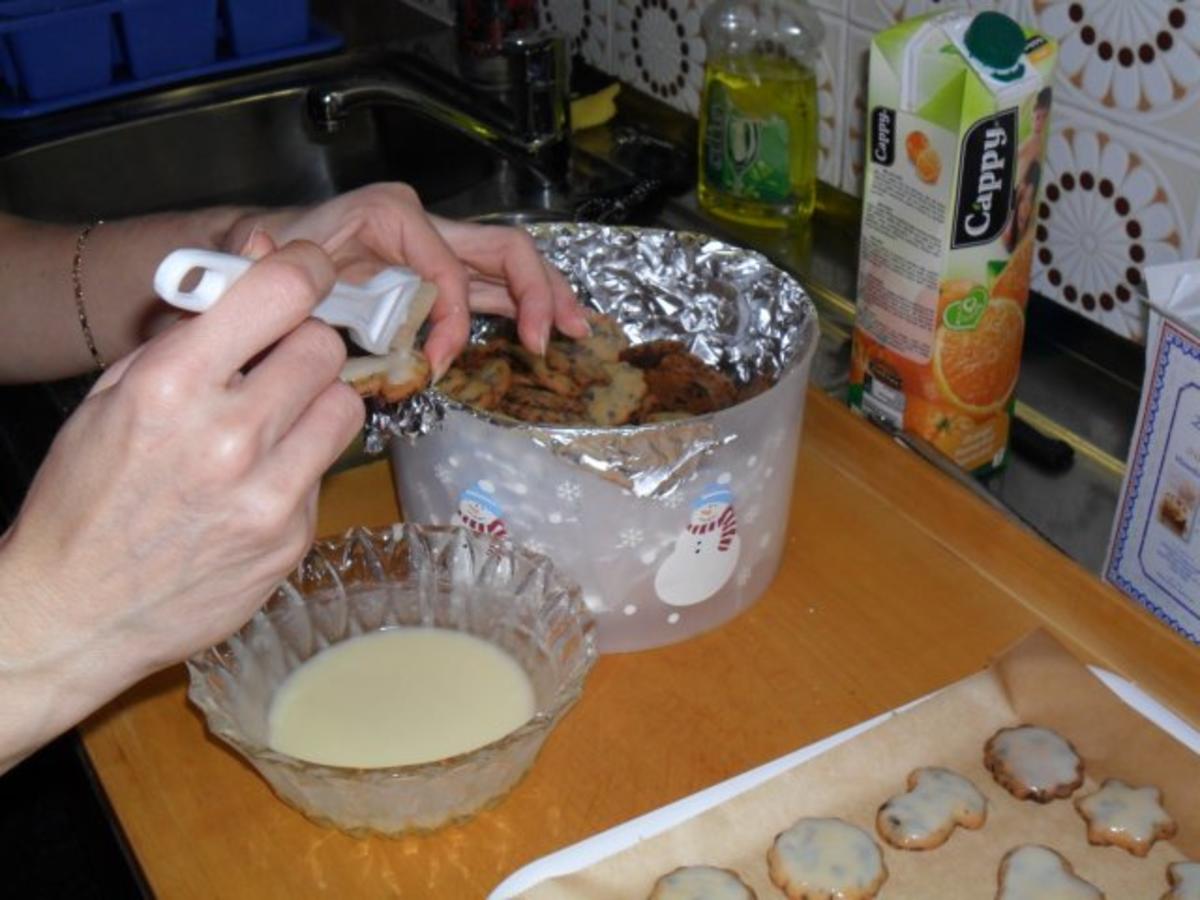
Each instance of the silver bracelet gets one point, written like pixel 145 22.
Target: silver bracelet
pixel 77 281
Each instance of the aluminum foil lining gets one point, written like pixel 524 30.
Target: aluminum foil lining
pixel 732 307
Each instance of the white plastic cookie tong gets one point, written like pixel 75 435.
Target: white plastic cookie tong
pixel 372 312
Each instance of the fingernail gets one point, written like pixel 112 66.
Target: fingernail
pixel 438 371
pixel 251 239
pixel 544 342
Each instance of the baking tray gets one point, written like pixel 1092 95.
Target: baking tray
pixel 607 843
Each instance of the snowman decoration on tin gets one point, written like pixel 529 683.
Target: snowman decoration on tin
pixel 705 554
pixel 479 511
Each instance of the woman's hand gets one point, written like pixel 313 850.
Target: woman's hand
pixel 175 499
pixel 481 268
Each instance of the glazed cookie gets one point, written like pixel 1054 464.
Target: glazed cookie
pixel 826 859
pixel 1131 818
pixel 1184 879
pixel 937 801
pixel 1033 763
pixel 1034 872
pixel 701 883
pixel 394 377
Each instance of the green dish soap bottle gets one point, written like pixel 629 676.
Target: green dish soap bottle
pixel 758 112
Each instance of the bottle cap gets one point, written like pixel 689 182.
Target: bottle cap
pixel 998 42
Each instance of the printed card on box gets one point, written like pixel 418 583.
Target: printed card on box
pixel 1154 552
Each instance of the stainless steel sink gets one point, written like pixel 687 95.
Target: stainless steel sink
pixel 255 150
pixel 253 142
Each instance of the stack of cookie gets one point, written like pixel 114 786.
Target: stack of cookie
pixel 602 380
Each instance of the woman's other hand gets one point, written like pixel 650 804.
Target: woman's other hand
pixel 480 268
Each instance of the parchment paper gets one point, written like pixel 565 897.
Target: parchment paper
pixel 1036 682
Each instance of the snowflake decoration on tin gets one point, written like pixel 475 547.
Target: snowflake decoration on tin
pixel 569 492
pixel 443 473
pixel 630 538
pixel 673 500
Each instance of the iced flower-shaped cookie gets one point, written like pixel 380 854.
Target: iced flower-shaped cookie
pixel 1033 763
pixel 1034 872
pixel 695 882
pixel 937 801
pixel 1128 817
pixel 826 859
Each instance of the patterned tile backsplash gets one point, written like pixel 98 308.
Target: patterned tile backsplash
pixel 1123 162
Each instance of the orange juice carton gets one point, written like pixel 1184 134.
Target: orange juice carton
pixel 958 105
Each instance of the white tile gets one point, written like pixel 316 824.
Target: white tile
pixel 869 14
pixel 588 24
pixel 878 14
pixel 830 77
pixel 1141 69
pixel 837 7
pixel 657 47
pixel 1113 201
pixel 854 104
pixel 1191 247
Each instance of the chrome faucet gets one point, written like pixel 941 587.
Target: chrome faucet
pixel 532 117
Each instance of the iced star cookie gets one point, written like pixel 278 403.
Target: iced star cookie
pixel 826 859
pixel 701 883
pixel 1132 818
pixel 937 801
pixel 1033 763
pixel 1034 872
pixel 1184 879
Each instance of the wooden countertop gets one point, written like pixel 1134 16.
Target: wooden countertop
pixel 895 581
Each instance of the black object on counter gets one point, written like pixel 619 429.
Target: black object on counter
pixel 661 170
pixel 1045 452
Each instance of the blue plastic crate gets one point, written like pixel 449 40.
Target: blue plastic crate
pixel 258 25
pixel 164 36
pixel 52 49
pixel 56 54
